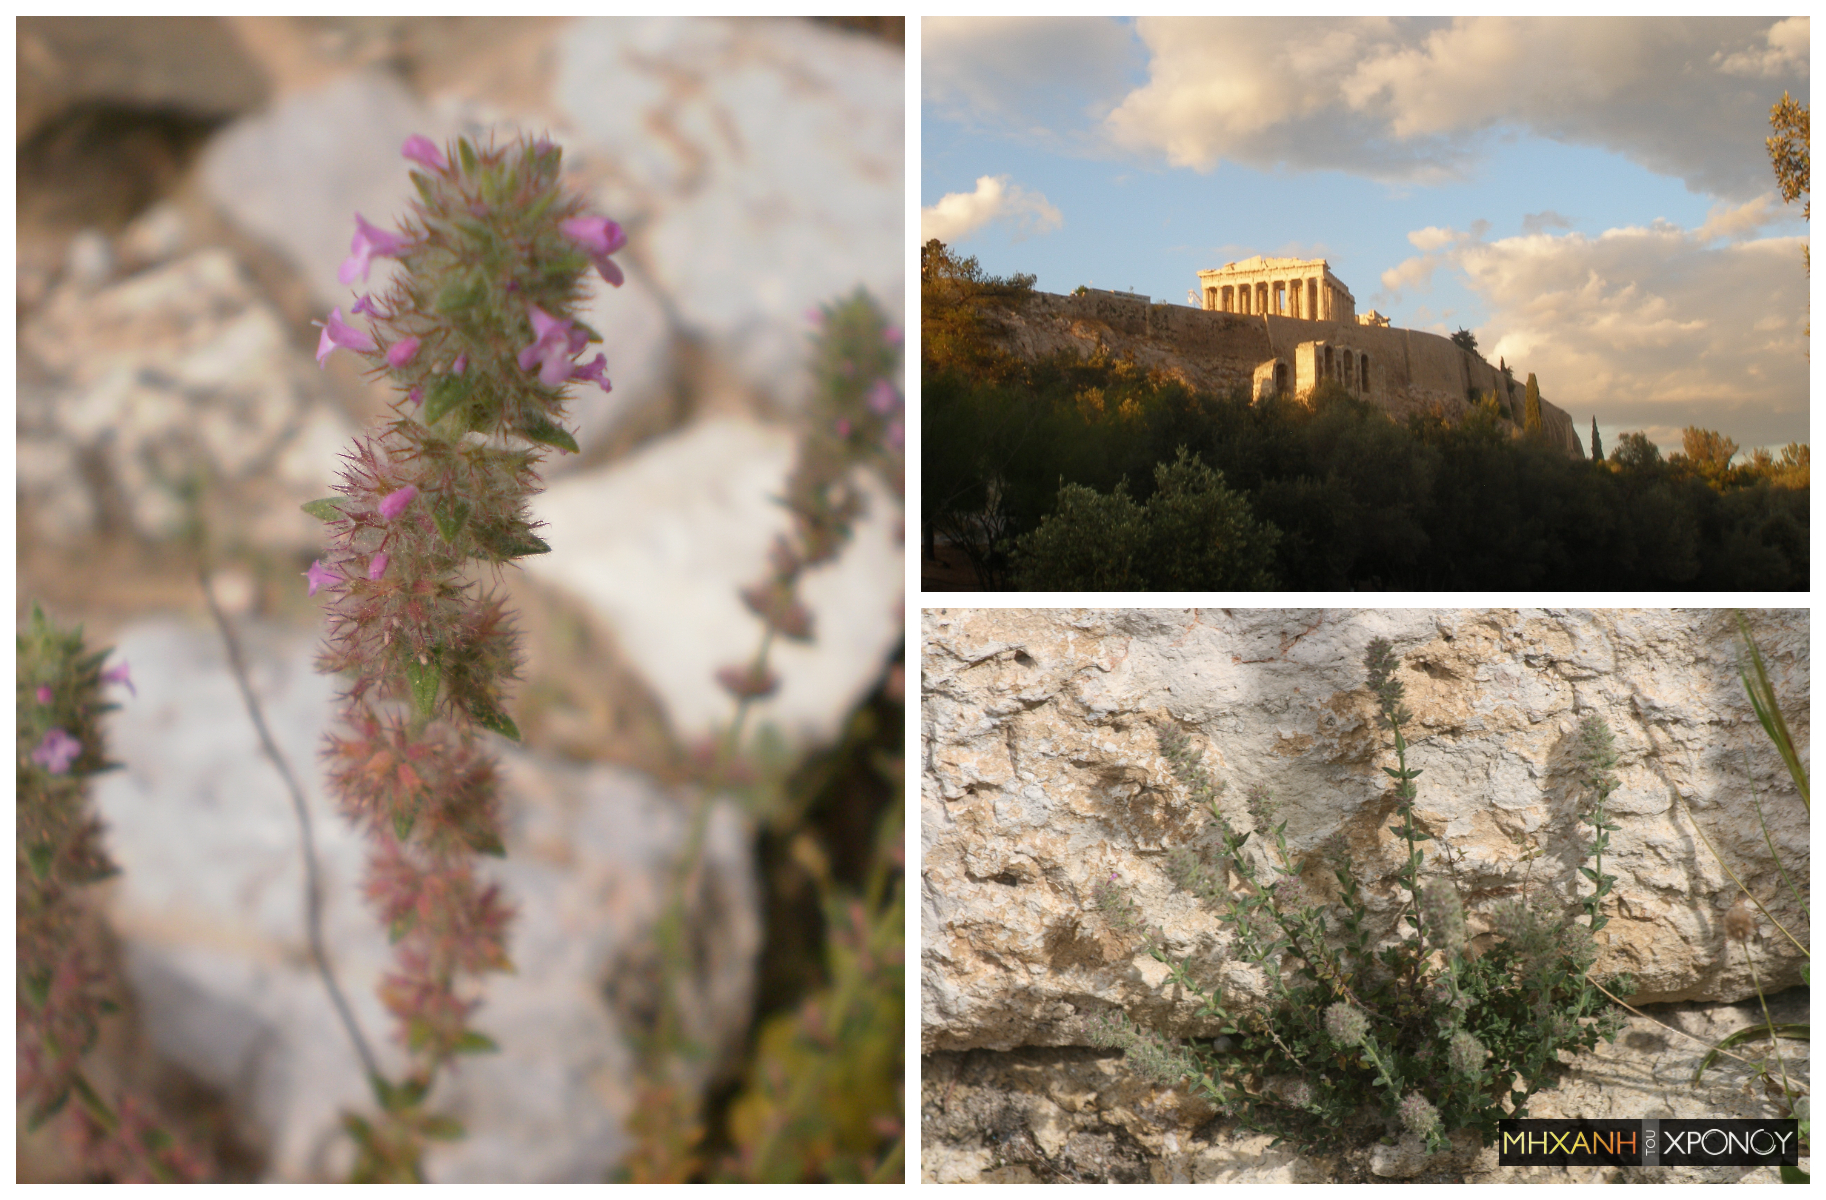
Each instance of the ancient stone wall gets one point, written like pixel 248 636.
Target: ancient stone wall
pixel 1411 371
pixel 1042 775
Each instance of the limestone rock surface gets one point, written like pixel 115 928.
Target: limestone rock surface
pixel 1042 775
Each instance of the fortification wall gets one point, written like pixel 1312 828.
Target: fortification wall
pixel 1410 371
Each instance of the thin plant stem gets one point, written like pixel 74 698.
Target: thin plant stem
pixel 1736 880
pixel 313 886
pixel 1775 1044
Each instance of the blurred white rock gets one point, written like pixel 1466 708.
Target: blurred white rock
pixel 770 155
pixel 209 906
pixel 659 545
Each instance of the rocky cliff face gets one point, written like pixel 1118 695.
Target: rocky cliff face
pixel 1412 371
pixel 1042 775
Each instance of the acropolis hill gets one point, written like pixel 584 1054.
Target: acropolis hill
pixel 1276 326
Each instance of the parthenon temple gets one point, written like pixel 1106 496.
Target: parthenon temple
pixel 1284 287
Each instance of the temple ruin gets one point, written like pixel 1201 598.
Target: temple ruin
pixel 1283 287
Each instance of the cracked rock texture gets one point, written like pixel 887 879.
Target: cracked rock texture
pixel 1042 774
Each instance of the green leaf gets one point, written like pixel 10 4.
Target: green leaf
pixel 328 509
pixel 1793 1174
pixel 424 189
pixel 485 841
pixel 479 230
pixel 538 429
pixel 467 153
pixel 475 1043
pixel 403 817
pixel 39 857
pixel 37 988
pixel 424 679
pixel 449 392
pixel 47 1110
pixel 413 1091
pixel 489 717
pixel 451 515
pixel 539 207
pixel 443 1129
pixel 1797 1033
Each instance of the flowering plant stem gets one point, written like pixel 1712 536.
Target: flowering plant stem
pixel 478 338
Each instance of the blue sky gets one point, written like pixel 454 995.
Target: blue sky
pixel 1606 218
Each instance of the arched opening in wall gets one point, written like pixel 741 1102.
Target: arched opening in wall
pixel 1349 377
pixel 1363 368
pixel 1280 379
pixel 1331 365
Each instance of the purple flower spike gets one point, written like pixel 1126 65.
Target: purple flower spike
pixel 119 675
pixel 339 334
pixel 883 398
pixel 423 151
pixel 378 566
pixel 367 242
pixel 601 237
pixel 554 342
pixel 321 576
pixel 394 503
pixel 402 352
pixel 56 752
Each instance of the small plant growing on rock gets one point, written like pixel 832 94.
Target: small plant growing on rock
pixel 1420 1037
pixel 64 987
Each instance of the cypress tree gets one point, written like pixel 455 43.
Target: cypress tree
pixel 1531 410
pixel 1597 447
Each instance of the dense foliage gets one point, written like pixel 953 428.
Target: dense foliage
pixel 1348 497
pixel 1421 1035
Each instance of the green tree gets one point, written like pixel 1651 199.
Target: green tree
pixel 1788 154
pixel 1635 450
pixel 1597 446
pixel 1531 407
pixel 1707 448
pixel 1194 534
pixel 1465 340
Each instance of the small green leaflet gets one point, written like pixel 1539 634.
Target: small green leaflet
pixel 327 509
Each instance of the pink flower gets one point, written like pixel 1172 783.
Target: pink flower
pixel 377 566
pixel 892 335
pixel 338 334
pixel 554 342
pixel 601 237
pixel 321 576
pixel 394 503
pixel 402 352
pixel 594 372
pixel 416 395
pixel 367 242
pixel 56 752
pixel 423 151
pixel 461 364
pixel 44 693
pixel 883 398
pixel 119 675
pixel 364 303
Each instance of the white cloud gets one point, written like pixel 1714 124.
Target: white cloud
pixel 1412 98
pixel 1040 77
pixel 958 215
pixel 1649 328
